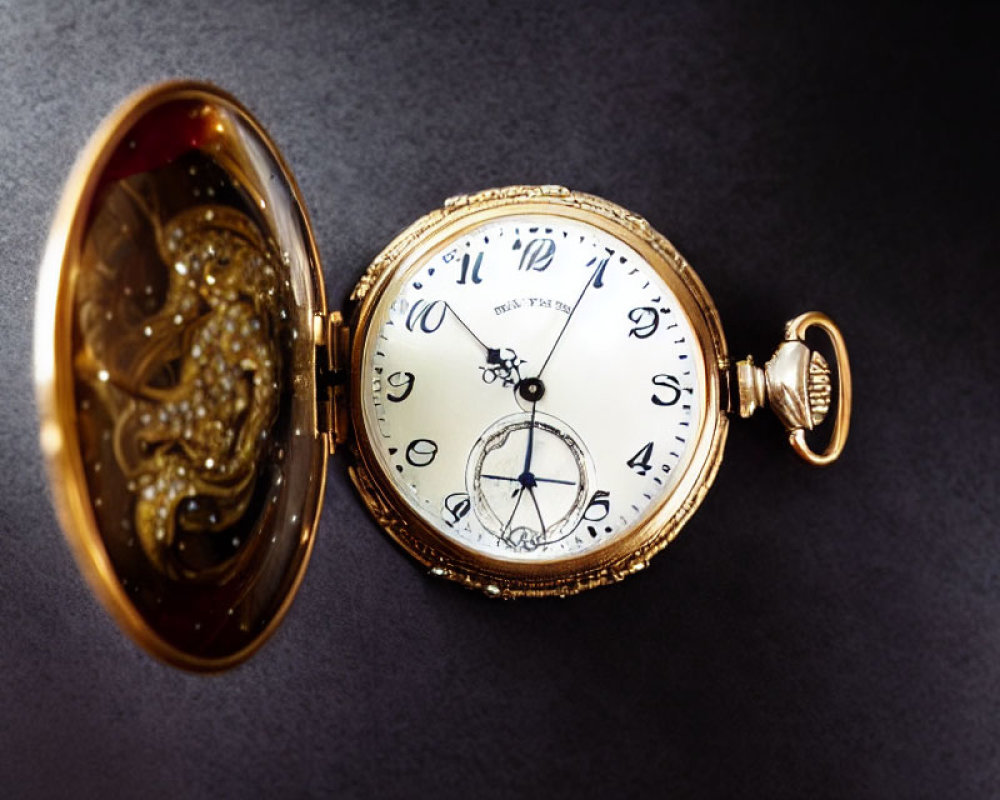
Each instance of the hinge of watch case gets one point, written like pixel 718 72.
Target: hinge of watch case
pixel 332 337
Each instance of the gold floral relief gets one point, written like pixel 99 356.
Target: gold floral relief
pixel 178 316
pixel 176 373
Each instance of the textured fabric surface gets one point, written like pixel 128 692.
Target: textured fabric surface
pixel 822 633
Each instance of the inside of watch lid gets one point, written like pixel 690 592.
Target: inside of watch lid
pixel 192 284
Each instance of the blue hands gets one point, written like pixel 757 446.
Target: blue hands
pixel 526 478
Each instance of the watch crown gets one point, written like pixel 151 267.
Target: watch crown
pixel 796 383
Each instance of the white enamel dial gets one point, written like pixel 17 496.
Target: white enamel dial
pixel 532 388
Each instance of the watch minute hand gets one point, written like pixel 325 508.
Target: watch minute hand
pixel 576 305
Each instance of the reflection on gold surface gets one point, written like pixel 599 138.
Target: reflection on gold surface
pixel 178 318
pixel 175 365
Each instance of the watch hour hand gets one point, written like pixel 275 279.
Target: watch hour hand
pixel 461 322
pixel 503 363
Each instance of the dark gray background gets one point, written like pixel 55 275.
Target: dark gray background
pixel 812 633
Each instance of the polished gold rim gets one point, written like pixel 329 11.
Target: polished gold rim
pixel 54 373
pixel 629 551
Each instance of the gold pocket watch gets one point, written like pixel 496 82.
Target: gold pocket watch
pixel 532 384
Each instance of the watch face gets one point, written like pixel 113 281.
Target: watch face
pixel 532 387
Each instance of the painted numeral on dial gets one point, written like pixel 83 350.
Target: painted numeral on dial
pixel 421 452
pixel 403 381
pixel 537 255
pixel 646 320
pixel 599 270
pixel 597 509
pixel 474 278
pixel 671 390
pixel 640 461
pixel 456 506
pixel 426 316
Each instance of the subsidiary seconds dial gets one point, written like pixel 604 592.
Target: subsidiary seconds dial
pixel 532 387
